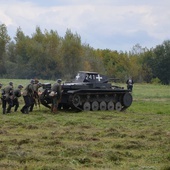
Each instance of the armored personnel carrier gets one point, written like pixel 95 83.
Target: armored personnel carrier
pixel 93 91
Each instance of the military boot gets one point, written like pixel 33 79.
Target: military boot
pixel 4 110
pixel 31 108
pixel 16 108
pixel 26 111
pixel 9 109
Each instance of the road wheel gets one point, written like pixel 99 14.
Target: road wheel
pixel 103 105
pixel 118 106
pixel 76 100
pixel 110 106
pixel 86 106
pixel 95 106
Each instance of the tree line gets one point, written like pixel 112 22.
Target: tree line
pixel 46 55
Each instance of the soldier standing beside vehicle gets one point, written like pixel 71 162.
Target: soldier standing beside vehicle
pixel 28 97
pixel 7 98
pixel 130 83
pixel 56 95
pixel 17 94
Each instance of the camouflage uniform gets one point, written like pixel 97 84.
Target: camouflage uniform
pixel 36 99
pixel 28 97
pixel 56 89
pixel 7 98
pixel 17 94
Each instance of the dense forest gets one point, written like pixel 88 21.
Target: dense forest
pixel 46 55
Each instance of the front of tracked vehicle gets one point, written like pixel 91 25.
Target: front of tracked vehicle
pixel 93 91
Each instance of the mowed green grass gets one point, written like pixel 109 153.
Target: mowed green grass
pixel 137 139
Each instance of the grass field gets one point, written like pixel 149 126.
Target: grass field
pixel 137 139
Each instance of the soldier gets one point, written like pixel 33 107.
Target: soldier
pixel 56 95
pixel 28 97
pixel 7 98
pixel 17 94
pixel 36 99
pixel 130 83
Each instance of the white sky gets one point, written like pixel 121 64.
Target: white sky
pixel 104 24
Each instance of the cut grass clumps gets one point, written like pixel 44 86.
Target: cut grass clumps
pixel 136 139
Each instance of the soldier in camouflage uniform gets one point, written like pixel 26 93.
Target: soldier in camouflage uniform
pixel 56 95
pixel 28 97
pixel 36 99
pixel 7 98
pixel 17 94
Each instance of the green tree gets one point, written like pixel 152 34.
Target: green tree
pixel 53 43
pixel 110 62
pixel 92 59
pixel 71 52
pixel 146 61
pixel 45 48
pixel 23 59
pixel 11 60
pixel 4 40
pixel 161 62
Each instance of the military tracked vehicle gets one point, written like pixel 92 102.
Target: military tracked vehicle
pixel 92 91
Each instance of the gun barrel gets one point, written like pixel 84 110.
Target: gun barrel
pixel 113 79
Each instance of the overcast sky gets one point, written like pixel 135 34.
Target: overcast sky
pixel 104 24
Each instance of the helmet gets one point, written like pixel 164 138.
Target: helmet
pixel 11 83
pixel 59 81
pixel 32 81
pixel 36 81
pixel 40 84
pixel 20 86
